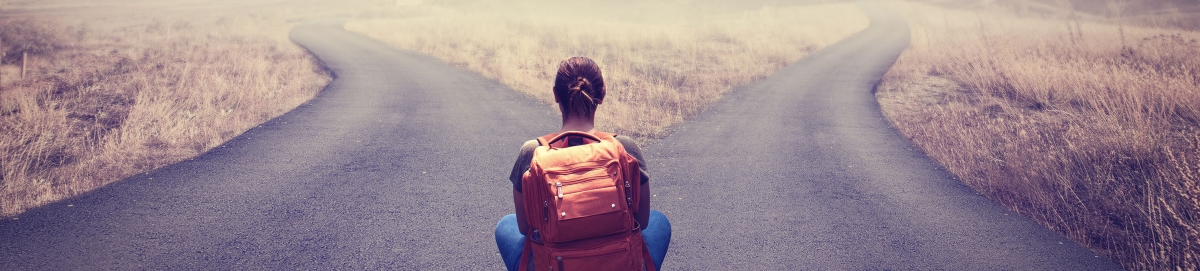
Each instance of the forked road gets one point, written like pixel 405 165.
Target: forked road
pixel 400 164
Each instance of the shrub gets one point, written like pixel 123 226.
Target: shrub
pixel 29 36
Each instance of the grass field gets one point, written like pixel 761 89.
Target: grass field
pixel 662 61
pixel 117 94
pixel 1091 128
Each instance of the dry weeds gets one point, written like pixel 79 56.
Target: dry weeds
pixel 662 61
pixel 104 105
pixel 1090 128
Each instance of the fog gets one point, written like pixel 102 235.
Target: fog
pixel 116 13
pixel 120 13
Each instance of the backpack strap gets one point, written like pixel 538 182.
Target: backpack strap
pixel 649 260
pixel 544 140
pixel 527 255
pixel 603 135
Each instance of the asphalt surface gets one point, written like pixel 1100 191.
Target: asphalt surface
pixel 801 171
pixel 400 163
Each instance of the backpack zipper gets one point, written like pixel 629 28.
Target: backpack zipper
pixel 559 185
pixel 582 180
pixel 577 167
pixel 628 195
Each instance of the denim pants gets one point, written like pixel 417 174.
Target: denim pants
pixel 512 243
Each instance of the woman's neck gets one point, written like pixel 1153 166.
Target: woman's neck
pixel 578 124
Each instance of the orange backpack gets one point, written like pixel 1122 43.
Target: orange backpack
pixel 580 204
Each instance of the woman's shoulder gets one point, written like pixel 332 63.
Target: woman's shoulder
pixel 630 146
pixel 627 142
pixel 528 147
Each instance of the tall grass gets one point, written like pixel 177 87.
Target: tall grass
pixel 103 105
pixel 662 61
pixel 1090 128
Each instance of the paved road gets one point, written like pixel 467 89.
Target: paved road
pixel 797 171
pixel 800 171
pixel 397 164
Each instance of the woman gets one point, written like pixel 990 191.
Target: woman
pixel 578 90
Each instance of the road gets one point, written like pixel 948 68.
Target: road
pixel 400 163
pixel 397 164
pixel 801 171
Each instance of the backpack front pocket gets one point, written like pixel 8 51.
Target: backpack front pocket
pixel 591 204
pixel 618 255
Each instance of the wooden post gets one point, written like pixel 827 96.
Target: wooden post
pixel 24 58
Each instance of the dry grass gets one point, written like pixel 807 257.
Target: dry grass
pixel 1090 128
pixel 103 105
pixel 662 61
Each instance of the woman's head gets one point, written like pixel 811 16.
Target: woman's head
pixel 578 87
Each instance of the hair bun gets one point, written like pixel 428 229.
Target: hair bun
pixel 580 84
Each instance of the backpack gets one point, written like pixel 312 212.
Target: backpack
pixel 580 205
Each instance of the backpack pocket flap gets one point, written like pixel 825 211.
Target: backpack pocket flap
pixel 591 213
pixel 590 202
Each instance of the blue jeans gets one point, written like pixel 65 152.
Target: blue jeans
pixel 512 243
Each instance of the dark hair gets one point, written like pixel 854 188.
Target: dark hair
pixel 579 86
